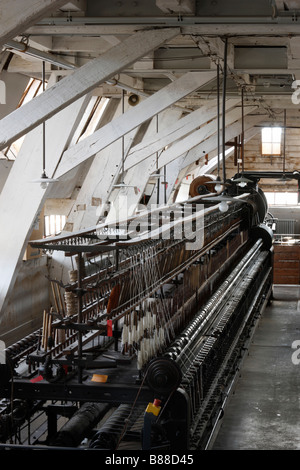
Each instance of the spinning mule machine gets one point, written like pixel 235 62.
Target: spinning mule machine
pixel 142 346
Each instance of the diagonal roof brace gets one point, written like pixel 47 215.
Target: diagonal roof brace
pixel 81 82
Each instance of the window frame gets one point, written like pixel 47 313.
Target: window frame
pixel 272 142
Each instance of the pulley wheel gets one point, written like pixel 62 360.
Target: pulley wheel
pixel 265 233
pixel 163 375
pixel 198 186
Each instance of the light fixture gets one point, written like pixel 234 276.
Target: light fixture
pixel 218 186
pixel 223 206
pixel 44 180
pixel 242 181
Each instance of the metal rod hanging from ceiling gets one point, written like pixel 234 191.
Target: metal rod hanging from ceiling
pixel 157 169
pixel 224 109
pixel 284 137
pixel 218 114
pixel 243 131
pixel 123 138
pixel 44 124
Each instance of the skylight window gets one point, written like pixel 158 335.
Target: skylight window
pixel 271 141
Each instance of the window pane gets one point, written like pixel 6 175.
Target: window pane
pixel 276 149
pixel 271 141
pixel 276 134
pixel 266 134
pixel 267 148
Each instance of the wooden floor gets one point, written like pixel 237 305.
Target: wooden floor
pixel 263 413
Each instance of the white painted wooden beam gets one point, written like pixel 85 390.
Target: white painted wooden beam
pixel 213 162
pixel 200 168
pixel 21 200
pixel 167 182
pixel 232 130
pixel 201 135
pixel 124 201
pixel 279 4
pixel 292 4
pixel 17 15
pixel 74 5
pixel 192 152
pixel 214 48
pixel 95 189
pixel 145 110
pixel 177 6
pixel 204 29
pixel 174 132
pixel 82 81
pixel 84 30
pixel 80 44
pixel 181 175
